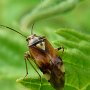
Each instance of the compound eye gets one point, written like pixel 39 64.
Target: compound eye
pixel 41 45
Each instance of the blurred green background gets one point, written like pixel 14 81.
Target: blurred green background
pixel 13 46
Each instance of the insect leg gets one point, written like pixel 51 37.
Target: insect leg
pixel 35 70
pixel 27 58
pixel 26 68
pixel 61 47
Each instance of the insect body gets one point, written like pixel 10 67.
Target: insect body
pixel 46 58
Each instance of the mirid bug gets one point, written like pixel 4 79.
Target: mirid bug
pixel 46 58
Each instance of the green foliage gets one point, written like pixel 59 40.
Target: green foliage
pixel 76 42
pixel 35 84
pixel 76 58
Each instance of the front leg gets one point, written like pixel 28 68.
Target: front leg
pixel 27 57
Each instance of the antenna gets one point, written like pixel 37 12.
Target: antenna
pixel 13 30
pixel 32 28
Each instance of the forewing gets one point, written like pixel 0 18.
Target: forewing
pixel 49 49
pixel 39 55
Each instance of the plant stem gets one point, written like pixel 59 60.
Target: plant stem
pixel 44 10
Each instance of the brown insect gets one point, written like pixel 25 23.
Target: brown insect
pixel 46 58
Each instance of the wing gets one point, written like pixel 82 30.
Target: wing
pixel 40 56
pixel 57 77
pixel 50 50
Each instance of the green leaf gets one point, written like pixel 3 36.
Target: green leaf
pixel 35 84
pixel 76 58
